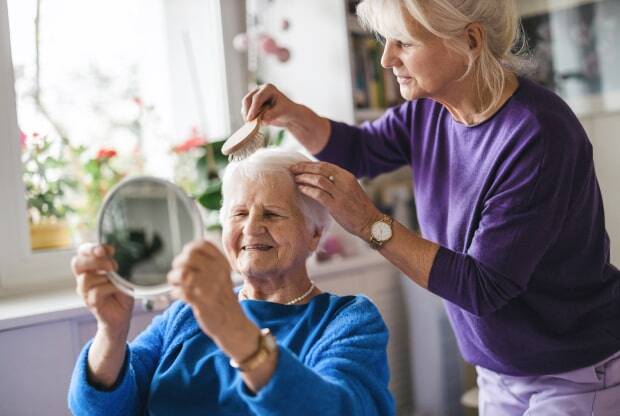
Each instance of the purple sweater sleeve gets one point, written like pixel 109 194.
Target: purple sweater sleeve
pixel 373 148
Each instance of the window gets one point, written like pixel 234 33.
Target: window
pixel 109 80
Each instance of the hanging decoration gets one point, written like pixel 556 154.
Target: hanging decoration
pixel 258 42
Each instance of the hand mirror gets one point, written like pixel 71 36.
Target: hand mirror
pixel 148 221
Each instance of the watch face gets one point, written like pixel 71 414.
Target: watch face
pixel 381 231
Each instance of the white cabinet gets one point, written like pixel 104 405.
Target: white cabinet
pixel 36 362
pixel 35 366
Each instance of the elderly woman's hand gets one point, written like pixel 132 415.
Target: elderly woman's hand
pixel 111 307
pixel 200 276
pixel 339 191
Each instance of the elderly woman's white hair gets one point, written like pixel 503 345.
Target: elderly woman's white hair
pixel 275 162
pixel 503 46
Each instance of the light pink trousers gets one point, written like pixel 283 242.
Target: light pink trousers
pixel 593 390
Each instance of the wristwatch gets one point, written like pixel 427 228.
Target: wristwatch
pixel 381 232
pixel 266 346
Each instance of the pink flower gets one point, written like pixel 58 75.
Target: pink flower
pixel 138 101
pixel 195 140
pixel 22 139
pixel 105 153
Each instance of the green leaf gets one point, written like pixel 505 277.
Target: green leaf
pixel 214 227
pixel 219 157
pixel 211 198
pixel 201 167
pixel 278 139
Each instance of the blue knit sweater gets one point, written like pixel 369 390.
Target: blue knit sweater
pixel 332 361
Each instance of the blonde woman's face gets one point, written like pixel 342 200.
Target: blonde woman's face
pixel 264 230
pixel 423 65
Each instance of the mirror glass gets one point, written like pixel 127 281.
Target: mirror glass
pixel 148 221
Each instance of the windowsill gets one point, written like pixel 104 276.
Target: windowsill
pixel 63 303
pixel 34 308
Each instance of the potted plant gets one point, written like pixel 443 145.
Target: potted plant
pixel 47 184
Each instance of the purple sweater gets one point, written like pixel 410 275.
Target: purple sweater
pixel 515 205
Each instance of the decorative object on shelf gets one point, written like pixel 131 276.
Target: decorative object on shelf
pixel 258 42
pixel 240 42
pixel 285 24
pixel 574 46
pixel 267 46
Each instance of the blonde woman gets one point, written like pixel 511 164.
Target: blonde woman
pixel 511 216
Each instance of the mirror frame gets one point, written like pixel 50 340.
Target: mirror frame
pixel 155 291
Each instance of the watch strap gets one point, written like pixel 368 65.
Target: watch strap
pixel 266 346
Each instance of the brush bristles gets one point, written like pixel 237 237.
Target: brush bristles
pixel 251 145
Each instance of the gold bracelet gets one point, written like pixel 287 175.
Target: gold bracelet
pixel 266 346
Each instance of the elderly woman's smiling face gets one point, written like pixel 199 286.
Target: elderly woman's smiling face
pixel 264 230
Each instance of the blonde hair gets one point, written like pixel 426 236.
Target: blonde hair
pixel 446 19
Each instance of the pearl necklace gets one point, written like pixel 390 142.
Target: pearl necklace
pixel 292 302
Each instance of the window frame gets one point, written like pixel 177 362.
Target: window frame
pixel 22 269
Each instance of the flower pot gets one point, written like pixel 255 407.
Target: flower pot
pixel 49 234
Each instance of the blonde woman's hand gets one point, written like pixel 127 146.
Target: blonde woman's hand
pixel 340 192
pixel 279 110
pixel 111 307
pixel 309 128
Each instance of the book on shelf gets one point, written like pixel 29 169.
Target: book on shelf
pixel 374 86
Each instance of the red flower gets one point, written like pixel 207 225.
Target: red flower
pixel 194 141
pixel 105 153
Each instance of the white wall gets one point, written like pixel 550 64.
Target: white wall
pixel 317 73
pixel 604 132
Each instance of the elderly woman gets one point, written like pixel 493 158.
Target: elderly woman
pixel 277 346
pixel 511 216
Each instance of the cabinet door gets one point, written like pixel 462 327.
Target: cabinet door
pixel 35 369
